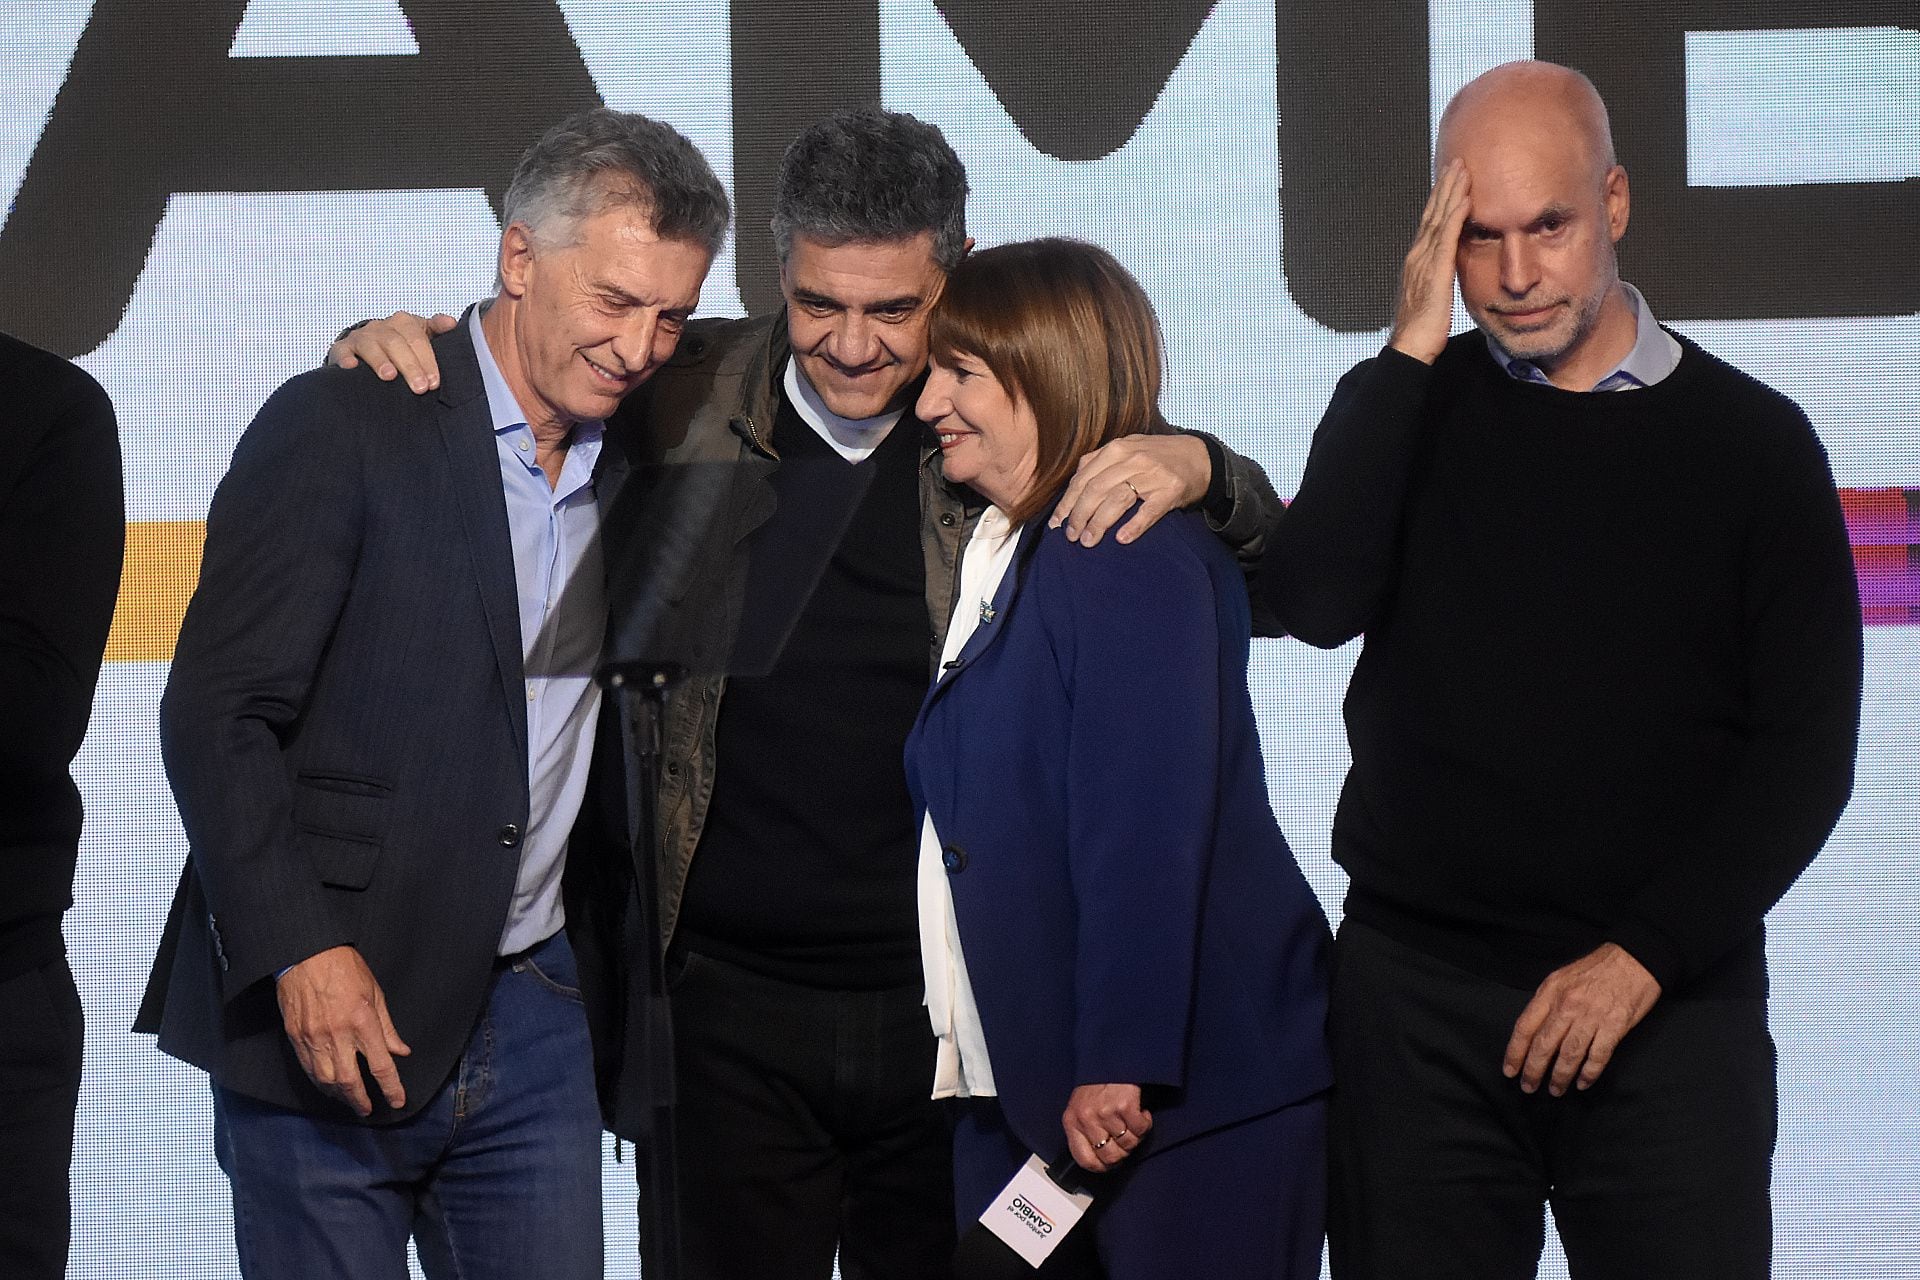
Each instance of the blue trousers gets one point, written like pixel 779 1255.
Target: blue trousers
pixel 1248 1201
pixel 496 1178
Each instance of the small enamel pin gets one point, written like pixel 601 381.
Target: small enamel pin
pixel 986 612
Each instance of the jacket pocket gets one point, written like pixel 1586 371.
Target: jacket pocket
pixel 340 863
pixel 342 820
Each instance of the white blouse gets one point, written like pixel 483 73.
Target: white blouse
pixel 962 1069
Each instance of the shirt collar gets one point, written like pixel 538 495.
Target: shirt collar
pixel 851 438
pixel 504 409
pixel 1655 354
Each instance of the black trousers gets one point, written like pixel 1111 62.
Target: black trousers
pixel 1441 1166
pixel 804 1125
pixel 41 1036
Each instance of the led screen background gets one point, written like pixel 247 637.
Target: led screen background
pixel 200 196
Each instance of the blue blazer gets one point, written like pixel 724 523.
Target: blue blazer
pixel 1128 907
pixel 345 726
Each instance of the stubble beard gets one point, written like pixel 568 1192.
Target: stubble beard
pixel 1547 348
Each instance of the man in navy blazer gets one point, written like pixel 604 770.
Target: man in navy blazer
pixel 377 728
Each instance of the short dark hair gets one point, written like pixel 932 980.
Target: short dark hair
pixel 1067 329
pixel 865 174
pixel 600 159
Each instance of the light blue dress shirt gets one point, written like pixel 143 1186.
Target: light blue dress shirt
pixel 558 572
pixel 1655 354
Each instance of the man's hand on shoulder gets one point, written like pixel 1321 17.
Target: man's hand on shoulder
pixel 1423 317
pixel 1575 1021
pixel 1160 473
pixel 336 1014
pixel 399 346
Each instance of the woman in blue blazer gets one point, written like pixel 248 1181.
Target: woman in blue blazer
pixel 1124 963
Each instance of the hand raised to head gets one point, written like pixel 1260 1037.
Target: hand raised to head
pixel 1423 318
pixel 399 346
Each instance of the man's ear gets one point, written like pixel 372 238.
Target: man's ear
pixel 1619 202
pixel 516 259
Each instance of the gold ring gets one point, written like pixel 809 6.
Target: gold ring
pixel 1136 492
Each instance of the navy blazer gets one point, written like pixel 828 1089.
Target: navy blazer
pixel 345 726
pixel 1128 907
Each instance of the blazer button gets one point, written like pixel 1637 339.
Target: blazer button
pixel 510 835
pixel 954 859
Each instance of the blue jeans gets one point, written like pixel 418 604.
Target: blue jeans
pixel 496 1178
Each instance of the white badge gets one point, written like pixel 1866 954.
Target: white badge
pixel 1033 1213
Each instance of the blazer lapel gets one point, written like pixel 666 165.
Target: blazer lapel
pixel 466 432
pixel 995 614
pixel 610 474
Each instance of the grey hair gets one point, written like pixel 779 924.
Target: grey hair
pixel 602 159
pixel 864 174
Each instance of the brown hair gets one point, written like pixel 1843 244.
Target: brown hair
pixel 1064 327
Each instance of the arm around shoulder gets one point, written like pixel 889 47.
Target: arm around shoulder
pixel 1240 508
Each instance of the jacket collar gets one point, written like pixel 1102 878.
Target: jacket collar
pixel 999 611
pixel 760 375
pixel 460 380
pixel 466 432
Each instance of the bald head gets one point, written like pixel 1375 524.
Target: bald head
pixel 1529 104
pixel 1545 205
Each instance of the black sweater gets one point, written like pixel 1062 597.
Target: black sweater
pixel 1610 688
pixel 805 871
pixel 62 527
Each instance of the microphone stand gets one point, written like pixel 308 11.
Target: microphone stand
pixel 640 691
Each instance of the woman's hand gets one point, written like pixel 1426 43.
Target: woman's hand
pixel 1104 1123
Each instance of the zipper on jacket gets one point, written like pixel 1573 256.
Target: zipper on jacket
pixel 743 423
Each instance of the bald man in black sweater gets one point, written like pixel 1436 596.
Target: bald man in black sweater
pixel 1606 713
pixel 62 527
